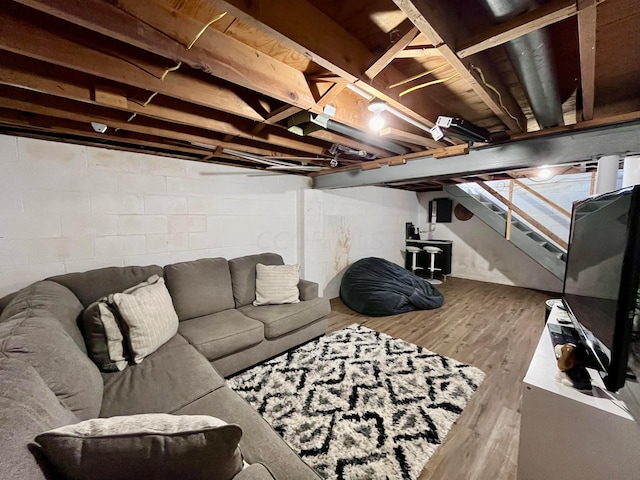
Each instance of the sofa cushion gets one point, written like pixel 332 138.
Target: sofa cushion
pixel 53 298
pixel 158 446
pixel 277 284
pixel 243 275
pixel 200 287
pixel 282 319
pixel 148 316
pixel 103 337
pixel 37 338
pixel 257 471
pixel 260 443
pixel 168 379
pixel 222 333
pixel 27 408
pixel 94 284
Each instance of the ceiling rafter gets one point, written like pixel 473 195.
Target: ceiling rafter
pixel 328 44
pixel 50 79
pixel 516 27
pixel 587 38
pixel 34 41
pixel 387 57
pixel 215 53
pixel 50 106
pixel 438 28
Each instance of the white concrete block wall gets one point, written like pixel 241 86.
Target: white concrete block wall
pixel 66 208
pixel 344 225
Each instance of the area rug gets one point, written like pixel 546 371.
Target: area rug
pixel 359 404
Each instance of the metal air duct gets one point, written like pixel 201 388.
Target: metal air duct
pixel 531 57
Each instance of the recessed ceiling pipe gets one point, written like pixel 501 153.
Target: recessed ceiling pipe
pixel 531 57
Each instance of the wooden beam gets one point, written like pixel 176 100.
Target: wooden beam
pixel 395 134
pixel 516 27
pixel 215 53
pixel 387 57
pixel 587 41
pixel 34 41
pixel 328 44
pixel 400 159
pixel 441 30
pixel 56 81
pixel 274 117
pixel 39 104
pixel 419 52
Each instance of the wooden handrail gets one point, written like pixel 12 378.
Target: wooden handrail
pixel 542 197
pixel 524 215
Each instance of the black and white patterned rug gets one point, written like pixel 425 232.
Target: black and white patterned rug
pixel 359 404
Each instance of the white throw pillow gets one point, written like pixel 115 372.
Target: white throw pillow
pixel 149 315
pixel 277 284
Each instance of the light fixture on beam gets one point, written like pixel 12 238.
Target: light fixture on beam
pixel 377 123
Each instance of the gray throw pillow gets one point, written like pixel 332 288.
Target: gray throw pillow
pixel 102 335
pixel 277 284
pixel 148 314
pixel 157 445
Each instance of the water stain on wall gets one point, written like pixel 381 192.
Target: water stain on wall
pixel 343 247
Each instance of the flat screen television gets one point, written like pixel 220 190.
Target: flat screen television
pixel 602 279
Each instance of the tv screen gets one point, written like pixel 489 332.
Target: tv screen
pixel 601 278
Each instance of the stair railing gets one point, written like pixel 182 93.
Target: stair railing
pixel 512 208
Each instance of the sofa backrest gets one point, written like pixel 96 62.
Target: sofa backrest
pixel 56 300
pixel 243 275
pixel 95 284
pixel 200 287
pixel 39 328
pixel 27 408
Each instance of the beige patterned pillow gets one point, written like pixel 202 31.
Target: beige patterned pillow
pixel 149 315
pixel 156 445
pixel 277 284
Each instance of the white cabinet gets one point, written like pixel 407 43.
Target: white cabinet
pixel 567 434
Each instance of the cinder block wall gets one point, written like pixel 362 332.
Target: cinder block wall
pixel 66 208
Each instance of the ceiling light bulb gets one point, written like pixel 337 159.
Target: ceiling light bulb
pixel 377 122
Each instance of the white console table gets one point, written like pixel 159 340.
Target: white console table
pixel 569 435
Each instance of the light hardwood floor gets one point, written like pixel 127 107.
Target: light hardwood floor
pixel 493 327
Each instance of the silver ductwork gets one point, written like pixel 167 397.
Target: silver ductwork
pixel 531 57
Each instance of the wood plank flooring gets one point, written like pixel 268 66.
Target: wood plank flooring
pixel 493 327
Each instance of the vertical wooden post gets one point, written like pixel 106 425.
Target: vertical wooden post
pixel 592 187
pixel 509 211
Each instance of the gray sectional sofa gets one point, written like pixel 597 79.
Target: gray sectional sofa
pixel 47 379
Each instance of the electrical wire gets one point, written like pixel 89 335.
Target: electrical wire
pixel 428 84
pixel 170 69
pixel 488 85
pixel 215 19
pixel 179 64
pixel 420 75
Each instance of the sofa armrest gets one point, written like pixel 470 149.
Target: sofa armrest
pixel 308 290
pixel 257 471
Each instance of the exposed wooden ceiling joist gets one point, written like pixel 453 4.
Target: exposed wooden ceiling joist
pixel 214 52
pixel 521 25
pixel 442 30
pixel 587 36
pixel 265 60
pixel 328 44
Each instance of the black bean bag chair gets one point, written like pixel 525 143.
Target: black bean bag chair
pixel 377 287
